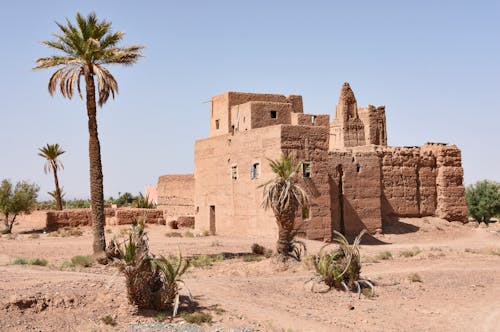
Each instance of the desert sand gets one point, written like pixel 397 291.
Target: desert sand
pixel 458 267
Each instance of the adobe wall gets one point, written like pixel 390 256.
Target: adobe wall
pixel 373 119
pixel 423 181
pixel 310 144
pixel 300 119
pixel 237 204
pixel 221 107
pixel 257 114
pixel 400 181
pixel 83 217
pixel 176 196
pixel 355 191
pixel 450 192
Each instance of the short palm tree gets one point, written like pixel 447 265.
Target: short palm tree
pixel 284 196
pixel 51 152
pixel 86 48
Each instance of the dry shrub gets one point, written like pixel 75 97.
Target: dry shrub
pixel 197 318
pixel 410 253
pixel 415 277
pixel 173 234
pixel 152 282
pixel 257 249
pixel 341 268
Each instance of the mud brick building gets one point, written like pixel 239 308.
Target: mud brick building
pixel 355 181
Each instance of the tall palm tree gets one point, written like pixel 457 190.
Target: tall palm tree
pixel 51 152
pixel 86 48
pixel 284 196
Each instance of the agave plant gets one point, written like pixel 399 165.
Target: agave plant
pixel 341 268
pixel 152 282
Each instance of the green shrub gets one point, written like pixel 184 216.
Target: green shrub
pixel 77 204
pixel 143 202
pixel 20 261
pixel 84 261
pixel 483 200
pixel 252 258
pixel 197 318
pixel 16 200
pixel 38 261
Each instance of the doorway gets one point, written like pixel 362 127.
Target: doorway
pixel 212 219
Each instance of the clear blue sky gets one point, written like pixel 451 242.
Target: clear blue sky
pixel 434 64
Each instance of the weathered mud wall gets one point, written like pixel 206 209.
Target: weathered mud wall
pixel 355 191
pixel 176 196
pixel 83 217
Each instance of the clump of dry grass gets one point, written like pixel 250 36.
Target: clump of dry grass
pixel 173 234
pixel 410 253
pixel 197 318
pixel 415 277
pixel 384 255
pixel 258 249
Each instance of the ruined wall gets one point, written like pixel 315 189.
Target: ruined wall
pixel 400 181
pixel 423 181
pixel 374 123
pixel 355 191
pixel 176 195
pixel 83 217
pixel 450 192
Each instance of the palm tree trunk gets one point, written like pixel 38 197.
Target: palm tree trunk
pixel 58 190
pixel 285 233
pixel 96 178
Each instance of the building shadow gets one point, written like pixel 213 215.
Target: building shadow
pixel 391 224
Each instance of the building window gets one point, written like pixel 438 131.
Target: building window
pixel 216 124
pixel 358 168
pixel 255 171
pixel 313 119
pixel 306 170
pixel 234 173
pixel 274 114
pixel 306 214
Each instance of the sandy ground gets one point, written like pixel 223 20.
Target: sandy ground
pixel 459 268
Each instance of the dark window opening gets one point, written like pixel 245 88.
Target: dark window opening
pixel 306 170
pixel 358 168
pixel 216 124
pixel 313 119
pixel 274 114
pixel 234 173
pixel 254 171
pixel 306 213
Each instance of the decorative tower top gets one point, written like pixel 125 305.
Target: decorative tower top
pixel 347 107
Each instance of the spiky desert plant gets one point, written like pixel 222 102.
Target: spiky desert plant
pixel 171 271
pixel 51 153
pixel 143 202
pixel 340 268
pixel 87 47
pixel 152 282
pixel 284 196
